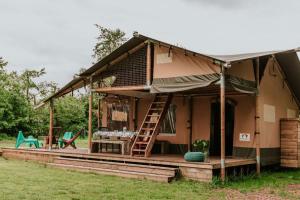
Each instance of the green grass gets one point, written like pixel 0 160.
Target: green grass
pixel 27 180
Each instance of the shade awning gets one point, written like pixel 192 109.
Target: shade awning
pixel 185 83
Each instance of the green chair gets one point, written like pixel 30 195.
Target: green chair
pixel 68 139
pixel 29 141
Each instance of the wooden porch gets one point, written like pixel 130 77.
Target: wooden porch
pixel 158 167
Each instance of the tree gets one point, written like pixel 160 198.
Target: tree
pixel 107 41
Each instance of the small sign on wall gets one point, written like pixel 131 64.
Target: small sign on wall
pixel 245 137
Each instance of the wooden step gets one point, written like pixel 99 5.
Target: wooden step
pixel 144 136
pixel 146 128
pixel 156 109
pixel 141 142
pixel 140 150
pixel 121 173
pixel 150 122
pixel 167 171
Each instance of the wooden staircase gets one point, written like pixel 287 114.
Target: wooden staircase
pixel 127 170
pixel 145 139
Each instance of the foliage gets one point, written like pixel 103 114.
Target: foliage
pixel 107 41
pixel 71 113
pixel 201 145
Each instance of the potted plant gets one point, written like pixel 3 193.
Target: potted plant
pixel 202 146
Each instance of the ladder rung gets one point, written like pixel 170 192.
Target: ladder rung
pixel 155 108
pixel 153 115
pixel 141 142
pixel 143 150
pixel 146 128
pixel 144 136
pixel 149 122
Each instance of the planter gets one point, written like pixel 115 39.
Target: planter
pixel 194 157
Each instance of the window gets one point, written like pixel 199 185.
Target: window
pixel 168 126
pixel 117 116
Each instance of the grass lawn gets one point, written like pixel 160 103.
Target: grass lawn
pixel 27 180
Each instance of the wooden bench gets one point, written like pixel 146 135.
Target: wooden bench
pixel 122 144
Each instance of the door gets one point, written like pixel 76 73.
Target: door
pixel 215 129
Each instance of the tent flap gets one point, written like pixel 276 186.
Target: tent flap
pixel 184 83
pixel 241 85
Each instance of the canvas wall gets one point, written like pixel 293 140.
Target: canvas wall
pixel 244 119
pixel 175 63
pixel 275 102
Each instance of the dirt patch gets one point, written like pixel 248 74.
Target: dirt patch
pixel 265 194
pixel 294 189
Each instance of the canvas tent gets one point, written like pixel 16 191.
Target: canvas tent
pixel 144 66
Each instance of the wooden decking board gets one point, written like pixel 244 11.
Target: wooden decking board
pixel 121 173
pixel 118 166
pixel 154 160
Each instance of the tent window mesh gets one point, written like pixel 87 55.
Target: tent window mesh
pixel 168 126
pixel 117 116
pixel 130 71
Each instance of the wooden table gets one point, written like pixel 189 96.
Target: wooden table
pixel 120 142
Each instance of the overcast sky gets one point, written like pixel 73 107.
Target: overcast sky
pixel 60 34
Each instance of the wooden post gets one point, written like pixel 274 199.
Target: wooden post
pixel 51 111
pixel 222 102
pixel 90 131
pixel 257 120
pixel 190 122
pixel 148 69
pixel 99 111
pixel 136 110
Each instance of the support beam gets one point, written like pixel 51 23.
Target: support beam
pixel 99 113
pixel 51 122
pixel 148 69
pixel 257 119
pixel 124 88
pixel 222 102
pixel 90 125
pixel 190 122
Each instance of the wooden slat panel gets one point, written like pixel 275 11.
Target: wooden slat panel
pixel 289 143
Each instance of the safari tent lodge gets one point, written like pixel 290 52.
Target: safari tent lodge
pixel 157 99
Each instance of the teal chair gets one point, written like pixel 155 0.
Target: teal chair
pixel 29 141
pixel 66 137
pixel 69 139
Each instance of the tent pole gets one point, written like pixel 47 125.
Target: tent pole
pixel 90 117
pixel 51 119
pixel 99 111
pixel 222 102
pixel 190 122
pixel 257 120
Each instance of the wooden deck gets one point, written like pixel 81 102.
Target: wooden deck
pixel 201 171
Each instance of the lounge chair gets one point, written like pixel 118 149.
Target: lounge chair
pixel 68 139
pixel 30 140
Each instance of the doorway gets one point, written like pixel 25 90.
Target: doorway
pixel 215 128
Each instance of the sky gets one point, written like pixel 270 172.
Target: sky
pixel 60 34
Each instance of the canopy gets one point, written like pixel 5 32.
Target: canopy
pixel 184 83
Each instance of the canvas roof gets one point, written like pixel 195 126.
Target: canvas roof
pixel 288 60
